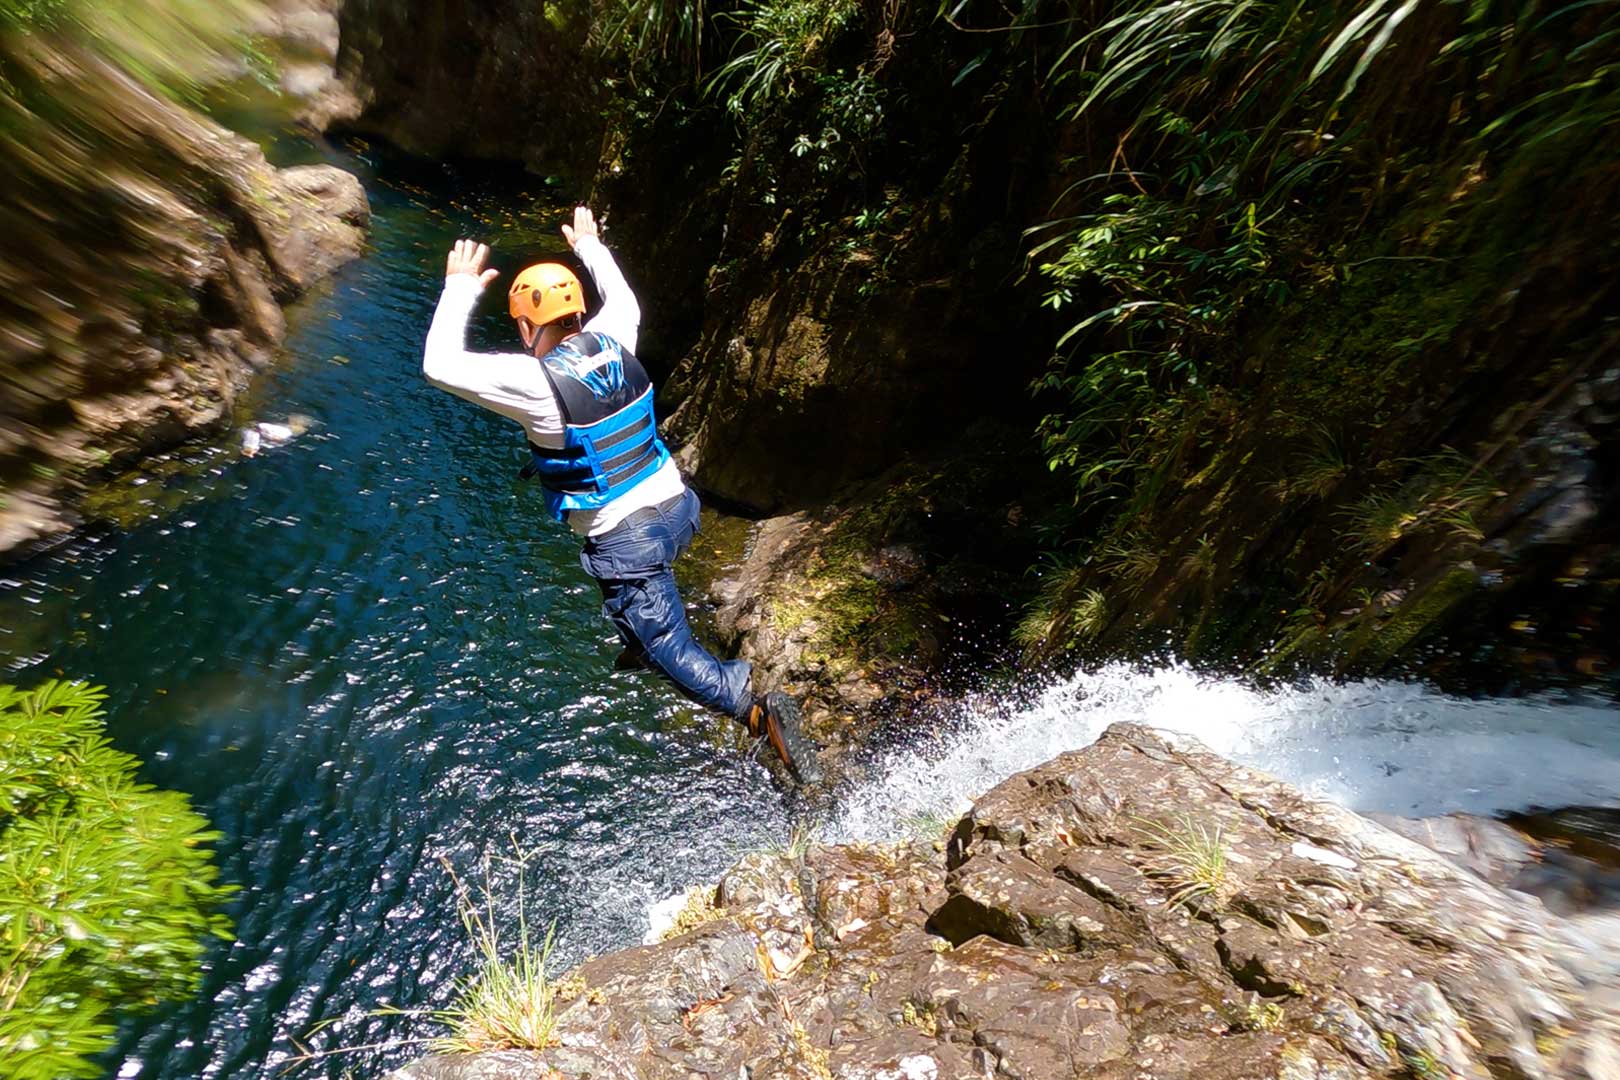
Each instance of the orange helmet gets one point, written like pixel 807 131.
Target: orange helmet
pixel 544 293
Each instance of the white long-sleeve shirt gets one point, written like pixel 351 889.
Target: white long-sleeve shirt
pixel 513 385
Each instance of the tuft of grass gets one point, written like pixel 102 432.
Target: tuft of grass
pixel 1443 496
pixel 926 824
pixel 1199 563
pixel 507 1003
pixel 1131 560
pixel 1090 615
pixel 1038 629
pixel 1191 858
pixel 1324 466
pixel 1381 520
pixel 797 844
pixel 1056 620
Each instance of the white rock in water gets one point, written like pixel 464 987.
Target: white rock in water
pixel 250 441
pixel 275 434
pixel 1322 855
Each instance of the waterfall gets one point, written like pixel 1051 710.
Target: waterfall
pixel 1373 745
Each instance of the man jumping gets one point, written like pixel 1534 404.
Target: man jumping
pixel 586 405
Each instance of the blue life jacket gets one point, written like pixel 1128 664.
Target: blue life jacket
pixel 610 436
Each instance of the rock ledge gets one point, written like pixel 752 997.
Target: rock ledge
pixel 1074 927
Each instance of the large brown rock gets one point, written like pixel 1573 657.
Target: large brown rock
pixel 1316 944
pixel 143 262
pixel 465 78
pixel 858 608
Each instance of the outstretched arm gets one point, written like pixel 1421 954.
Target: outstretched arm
pixel 502 382
pixel 620 317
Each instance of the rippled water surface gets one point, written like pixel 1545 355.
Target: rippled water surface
pixel 366 657
pixel 366 652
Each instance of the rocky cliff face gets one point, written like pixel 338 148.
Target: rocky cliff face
pixel 1140 908
pixel 144 255
pixel 1414 468
pixel 504 81
pixel 817 314
pixel 836 328
pixel 892 597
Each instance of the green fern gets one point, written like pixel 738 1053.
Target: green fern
pixel 780 39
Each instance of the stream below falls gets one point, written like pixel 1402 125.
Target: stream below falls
pixel 371 662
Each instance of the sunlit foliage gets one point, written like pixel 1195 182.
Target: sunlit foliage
pixel 1239 125
pixel 105 885
pixel 167 44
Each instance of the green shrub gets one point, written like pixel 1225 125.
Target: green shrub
pixel 1238 164
pixel 781 44
pixel 105 885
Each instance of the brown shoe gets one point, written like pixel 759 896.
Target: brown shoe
pixel 776 717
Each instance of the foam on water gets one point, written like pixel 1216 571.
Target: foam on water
pixel 1371 745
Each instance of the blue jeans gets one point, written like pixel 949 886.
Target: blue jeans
pixel 633 563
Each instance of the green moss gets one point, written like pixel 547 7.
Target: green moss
pixel 855 618
pixel 1375 641
pixel 837 601
pixel 699 909
pixel 1355 351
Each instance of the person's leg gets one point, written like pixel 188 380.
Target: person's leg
pixel 632 564
pixel 651 611
pixel 632 657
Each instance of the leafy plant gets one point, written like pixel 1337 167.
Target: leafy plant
pixel 781 40
pixel 1170 296
pixel 643 30
pixel 1238 153
pixel 105 885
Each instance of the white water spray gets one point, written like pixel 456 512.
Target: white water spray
pixel 1388 746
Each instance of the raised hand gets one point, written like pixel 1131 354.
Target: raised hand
pixel 469 257
pixel 584 225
